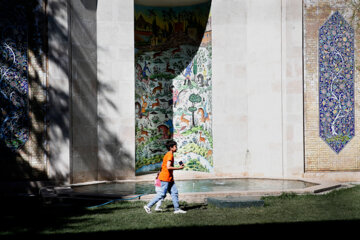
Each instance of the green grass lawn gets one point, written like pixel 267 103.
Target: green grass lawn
pixel 339 208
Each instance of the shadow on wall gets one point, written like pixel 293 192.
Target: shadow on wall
pixel 35 112
pixel 97 152
pixel 173 85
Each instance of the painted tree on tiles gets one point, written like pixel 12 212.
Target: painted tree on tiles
pixel 194 98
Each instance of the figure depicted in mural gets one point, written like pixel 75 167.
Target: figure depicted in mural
pixel 184 120
pixel 167 179
pixel 176 95
pixel 138 70
pixel 187 74
pixel 205 116
pixel 169 70
pixel 169 122
pixel 204 72
pixel 146 68
pixel 144 105
pixel 165 131
pixel 157 89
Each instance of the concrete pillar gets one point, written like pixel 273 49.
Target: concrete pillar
pixel 116 92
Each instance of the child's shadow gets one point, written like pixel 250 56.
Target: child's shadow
pixel 169 207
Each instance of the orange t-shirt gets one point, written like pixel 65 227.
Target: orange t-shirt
pixel 166 175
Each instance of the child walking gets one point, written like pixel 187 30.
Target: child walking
pixel 158 191
pixel 167 180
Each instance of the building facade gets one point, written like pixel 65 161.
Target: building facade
pixel 92 89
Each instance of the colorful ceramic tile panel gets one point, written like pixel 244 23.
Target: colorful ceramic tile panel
pixel 13 76
pixel 173 86
pixel 336 82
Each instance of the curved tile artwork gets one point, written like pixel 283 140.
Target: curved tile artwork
pixel 336 82
pixel 173 85
pixel 13 77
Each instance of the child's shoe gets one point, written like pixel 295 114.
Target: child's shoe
pixel 179 211
pixel 147 209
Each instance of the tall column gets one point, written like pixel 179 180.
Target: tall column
pixel 116 89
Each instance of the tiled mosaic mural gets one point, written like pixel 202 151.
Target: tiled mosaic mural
pixel 173 85
pixel 13 78
pixel 336 82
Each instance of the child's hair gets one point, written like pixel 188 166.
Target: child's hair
pixel 170 144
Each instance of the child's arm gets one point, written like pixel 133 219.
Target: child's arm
pixel 169 167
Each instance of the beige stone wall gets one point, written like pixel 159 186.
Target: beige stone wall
pixel 257 88
pixel 319 157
